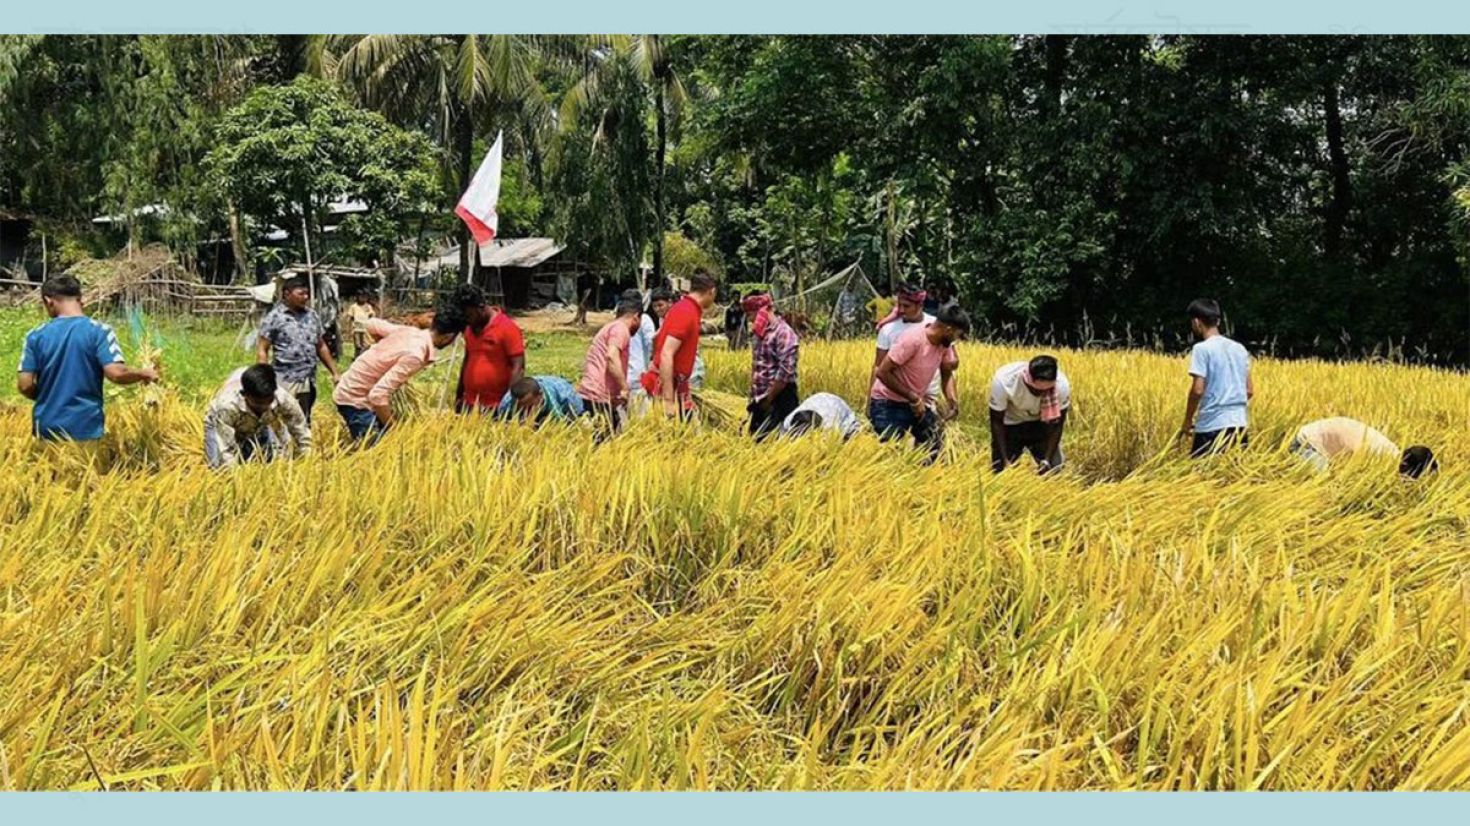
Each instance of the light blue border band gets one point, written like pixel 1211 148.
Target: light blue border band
pixel 849 809
pixel 741 16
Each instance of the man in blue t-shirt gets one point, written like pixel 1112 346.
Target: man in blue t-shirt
pixel 1221 385
pixel 539 398
pixel 63 362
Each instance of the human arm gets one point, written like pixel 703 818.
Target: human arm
pixel 219 427
pixel 262 350
pixel 888 375
pixel 296 425
pixel 1053 439
pixel 120 373
pixel 998 434
pixel 324 353
pixel 1250 385
pixel 380 397
pixel 666 374
pixel 1191 406
pixel 25 384
pixel 947 371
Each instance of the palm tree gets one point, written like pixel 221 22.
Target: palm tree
pixel 443 84
pixel 649 56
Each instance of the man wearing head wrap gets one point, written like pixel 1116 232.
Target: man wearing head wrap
pixel 907 312
pixel 774 349
pixel 1028 409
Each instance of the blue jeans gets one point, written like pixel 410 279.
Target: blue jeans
pixel 894 420
pixel 362 425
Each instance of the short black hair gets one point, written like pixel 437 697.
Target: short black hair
pixel 803 421
pixel 952 315
pixel 524 388
pixel 906 287
pixel 297 282
pixel 448 318
pixel 259 381
pixel 631 294
pixel 468 295
pixel 701 282
pixel 1043 368
pixel 1417 461
pixel 61 286
pixel 1206 310
pixel 629 307
pixel 662 294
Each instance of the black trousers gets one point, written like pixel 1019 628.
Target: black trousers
pixel 607 419
pixel 307 400
pixel 764 422
pixel 1026 437
pixel 1217 441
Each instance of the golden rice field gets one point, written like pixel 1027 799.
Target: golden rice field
pixel 478 606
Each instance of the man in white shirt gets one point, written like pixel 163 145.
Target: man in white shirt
pixel 1028 411
pixel 822 411
pixel 908 311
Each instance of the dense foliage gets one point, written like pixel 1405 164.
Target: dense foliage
pixel 1083 188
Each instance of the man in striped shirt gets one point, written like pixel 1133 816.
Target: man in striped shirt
pixel 773 353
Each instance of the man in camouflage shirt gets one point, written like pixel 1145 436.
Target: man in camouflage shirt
pixel 252 417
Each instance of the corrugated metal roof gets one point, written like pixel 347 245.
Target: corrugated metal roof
pixel 518 252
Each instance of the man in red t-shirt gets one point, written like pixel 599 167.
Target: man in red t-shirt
pixel 676 345
pixel 494 353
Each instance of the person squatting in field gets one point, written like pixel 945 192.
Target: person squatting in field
pixel 292 339
pixel 253 418
pixel 604 386
pixel 538 399
pixel 1220 385
pixel 364 395
pixel 675 348
pixel 1028 410
pixel 63 362
pixel 494 352
pixel 900 401
pixel 773 355
pixel 822 411
pixel 1338 438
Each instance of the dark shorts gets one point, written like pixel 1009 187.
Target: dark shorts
pixel 894 420
pixel 362 425
pixel 1218 441
pixel 765 422
pixel 1026 437
pixel 307 400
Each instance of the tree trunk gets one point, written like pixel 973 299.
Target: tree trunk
pixel 1341 199
pixel 464 147
pixel 658 182
pixel 237 244
pixel 1056 72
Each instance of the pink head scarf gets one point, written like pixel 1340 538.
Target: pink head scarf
pixel 760 305
pixel 916 296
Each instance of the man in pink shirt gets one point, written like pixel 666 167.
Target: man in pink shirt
pixel 900 401
pixel 604 385
pixel 364 394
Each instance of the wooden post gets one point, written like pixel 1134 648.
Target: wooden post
pixel 43 256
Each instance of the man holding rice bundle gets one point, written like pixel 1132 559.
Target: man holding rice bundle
pixel 364 395
pixel 900 401
pixel 63 363
pixel 1028 410
pixel 253 417
pixel 774 349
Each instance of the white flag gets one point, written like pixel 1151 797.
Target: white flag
pixel 477 205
